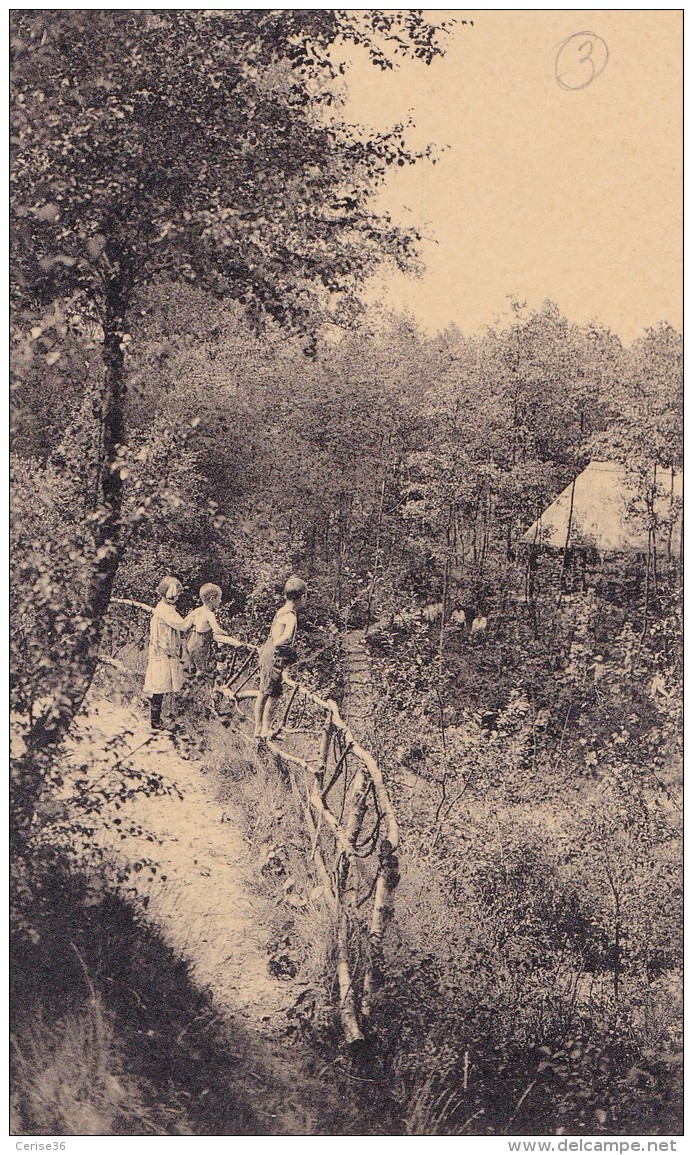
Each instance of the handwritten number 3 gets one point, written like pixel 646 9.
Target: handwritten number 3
pixel 575 52
pixel 588 59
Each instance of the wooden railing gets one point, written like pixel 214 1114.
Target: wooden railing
pixel 351 830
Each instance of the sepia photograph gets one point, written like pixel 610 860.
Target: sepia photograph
pixel 346 572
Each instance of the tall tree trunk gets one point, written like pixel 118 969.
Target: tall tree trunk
pixel 651 569
pixel 49 727
pixel 671 516
pixel 446 585
pixel 655 588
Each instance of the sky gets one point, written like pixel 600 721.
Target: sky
pixel 544 189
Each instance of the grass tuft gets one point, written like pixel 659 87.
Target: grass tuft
pixel 70 1080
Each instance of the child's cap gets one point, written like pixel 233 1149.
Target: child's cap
pixel 295 588
pixel 169 588
pixel 209 593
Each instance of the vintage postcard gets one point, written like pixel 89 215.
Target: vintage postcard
pixel 346 563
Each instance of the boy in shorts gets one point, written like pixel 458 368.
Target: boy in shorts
pixel 276 654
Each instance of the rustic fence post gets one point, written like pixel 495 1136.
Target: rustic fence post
pixel 347 994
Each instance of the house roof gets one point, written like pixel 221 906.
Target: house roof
pixel 607 513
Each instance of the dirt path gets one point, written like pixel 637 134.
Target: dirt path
pixel 209 910
pixel 208 903
pixel 205 907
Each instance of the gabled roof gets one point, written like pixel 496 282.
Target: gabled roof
pixel 608 514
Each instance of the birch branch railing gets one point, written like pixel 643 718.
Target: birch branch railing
pixel 352 834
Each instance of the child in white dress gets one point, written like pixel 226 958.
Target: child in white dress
pixel 164 665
